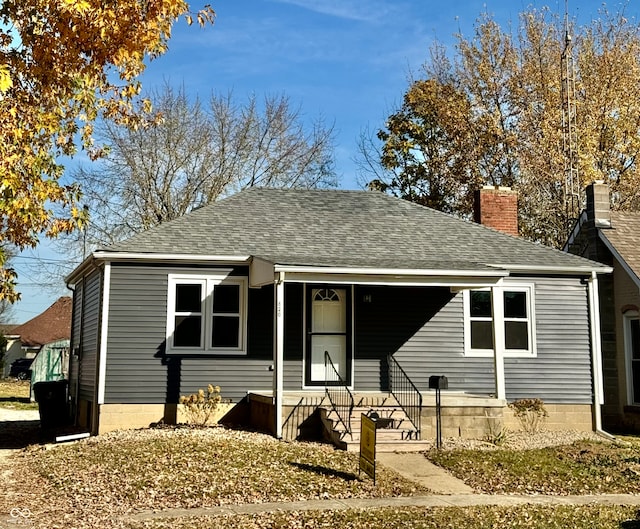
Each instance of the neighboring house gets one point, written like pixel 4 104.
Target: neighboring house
pixel 52 325
pixel 613 238
pixel 248 294
pixel 13 350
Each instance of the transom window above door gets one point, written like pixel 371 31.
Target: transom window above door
pixel 326 294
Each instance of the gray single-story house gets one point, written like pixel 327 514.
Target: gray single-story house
pixel 255 291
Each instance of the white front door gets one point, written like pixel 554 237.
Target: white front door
pixel 328 332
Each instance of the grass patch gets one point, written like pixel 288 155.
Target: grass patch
pixel 184 468
pixel 540 517
pixel 14 394
pixel 584 467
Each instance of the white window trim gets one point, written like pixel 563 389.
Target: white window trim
pixel 627 318
pixel 208 281
pixel 498 316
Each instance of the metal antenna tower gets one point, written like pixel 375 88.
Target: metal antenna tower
pixel 569 126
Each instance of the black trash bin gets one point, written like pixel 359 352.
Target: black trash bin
pixel 51 397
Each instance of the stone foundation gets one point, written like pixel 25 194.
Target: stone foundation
pixel 462 416
pixel 466 417
pixel 481 419
pixel 131 416
pixel 561 417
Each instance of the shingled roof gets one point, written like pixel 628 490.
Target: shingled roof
pixel 624 236
pixel 51 325
pixel 339 228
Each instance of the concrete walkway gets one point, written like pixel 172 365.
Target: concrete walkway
pixel 454 500
pixel 417 468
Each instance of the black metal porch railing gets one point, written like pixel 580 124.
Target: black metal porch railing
pixel 406 393
pixel 338 394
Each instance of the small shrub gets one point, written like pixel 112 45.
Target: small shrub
pixel 497 434
pixel 199 407
pixel 531 413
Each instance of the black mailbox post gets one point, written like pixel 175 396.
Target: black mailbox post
pixel 438 382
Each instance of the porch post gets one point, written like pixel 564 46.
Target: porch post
pixel 596 350
pixel 498 342
pixel 278 382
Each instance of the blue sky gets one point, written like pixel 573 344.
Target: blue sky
pixel 347 61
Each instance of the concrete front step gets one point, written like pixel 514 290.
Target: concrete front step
pixel 395 431
pixel 386 434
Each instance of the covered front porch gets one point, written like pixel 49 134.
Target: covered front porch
pixel 363 318
pixel 308 415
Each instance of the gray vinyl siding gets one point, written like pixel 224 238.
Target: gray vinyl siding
pixel 561 372
pixel 76 328
pixel 423 329
pixel 294 336
pixel 89 328
pixel 138 368
pixel 76 324
pixel 421 326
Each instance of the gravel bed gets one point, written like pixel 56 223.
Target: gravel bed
pixel 524 441
pixel 514 440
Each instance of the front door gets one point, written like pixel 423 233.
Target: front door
pixel 327 326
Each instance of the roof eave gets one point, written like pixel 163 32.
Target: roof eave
pixel 555 269
pixel 169 257
pixel 340 270
pixel 102 256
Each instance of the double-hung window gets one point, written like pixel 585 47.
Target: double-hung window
pixel 632 347
pixel 206 313
pixel 509 308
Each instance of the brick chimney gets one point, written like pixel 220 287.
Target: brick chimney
pixel 598 211
pixel 497 208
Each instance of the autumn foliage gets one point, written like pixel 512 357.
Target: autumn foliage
pixel 490 112
pixel 64 64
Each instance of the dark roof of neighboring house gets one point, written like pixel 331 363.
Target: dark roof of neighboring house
pixel 624 236
pixel 339 228
pixel 51 325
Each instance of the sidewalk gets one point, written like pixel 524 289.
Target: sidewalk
pixel 454 500
pixel 448 492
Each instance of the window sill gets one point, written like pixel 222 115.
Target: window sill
pixel 202 352
pixel 507 354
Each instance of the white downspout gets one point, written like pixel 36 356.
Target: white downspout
pixel 278 382
pixel 596 353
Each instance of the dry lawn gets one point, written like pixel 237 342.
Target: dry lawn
pixel 96 482
pixel 583 467
pixel 14 395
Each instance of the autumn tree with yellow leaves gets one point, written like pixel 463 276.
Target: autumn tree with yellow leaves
pixel 63 65
pixel 490 113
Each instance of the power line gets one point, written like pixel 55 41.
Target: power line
pixel 45 259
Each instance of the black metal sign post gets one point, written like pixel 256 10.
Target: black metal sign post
pixel 438 383
pixel 439 418
pixel 368 447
